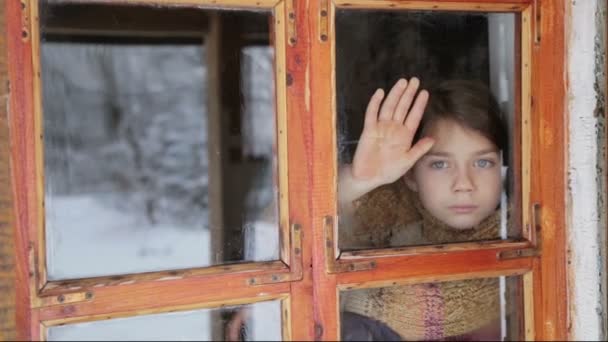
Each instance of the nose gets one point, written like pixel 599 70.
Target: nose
pixel 463 181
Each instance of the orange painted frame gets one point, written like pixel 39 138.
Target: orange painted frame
pixel 40 301
pixel 312 193
pixel 543 149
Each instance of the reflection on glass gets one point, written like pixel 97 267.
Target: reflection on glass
pixel 144 169
pixel 487 309
pixel 263 323
pixel 396 186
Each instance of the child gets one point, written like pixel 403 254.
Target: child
pixel 426 179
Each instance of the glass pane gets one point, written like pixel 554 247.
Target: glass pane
pixel 159 132
pixel 196 325
pixel 432 166
pixel 488 309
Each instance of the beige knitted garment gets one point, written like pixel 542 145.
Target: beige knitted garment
pixel 421 311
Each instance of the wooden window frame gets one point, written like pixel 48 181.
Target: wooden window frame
pixel 540 258
pixel 304 75
pixel 43 303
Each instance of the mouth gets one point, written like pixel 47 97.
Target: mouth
pixel 462 209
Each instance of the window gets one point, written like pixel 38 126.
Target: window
pixel 178 165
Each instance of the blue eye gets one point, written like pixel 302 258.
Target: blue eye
pixel 484 163
pixel 439 164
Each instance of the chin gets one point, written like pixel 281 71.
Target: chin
pixel 462 224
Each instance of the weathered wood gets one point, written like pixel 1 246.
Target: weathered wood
pixel 524 176
pixel 215 133
pixel 300 157
pixel 236 4
pixel 295 267
pixel 57 315
pixel 451 276
pixel 165 293
pixel 279 43
pixel 473 263
pixel 535 162
pixel 528 311
pixel 7 248
pixel 323 192
pixel 37 260
pixel 21 156
pixel 522 29
pixel 458 5
pixel 549 172
pixel 286 319
pixel 77 285
pixel 134 291
pixel 418 250
pixel 311 192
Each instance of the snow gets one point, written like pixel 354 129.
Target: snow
pixel 126 175
pixel 86 238
pixel 126 159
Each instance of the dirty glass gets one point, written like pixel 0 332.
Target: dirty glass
pixel 485 309
pixel 159 138
pixel 260 322
pixel 432 161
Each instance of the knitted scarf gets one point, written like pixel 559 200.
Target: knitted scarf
pixel 431 311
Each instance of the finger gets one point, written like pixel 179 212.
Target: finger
pixel 390 103
pixel 415 115
pixel 371 113
pixel 414 154
pixel 406 100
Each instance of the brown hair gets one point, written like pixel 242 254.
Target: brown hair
pixel 469 103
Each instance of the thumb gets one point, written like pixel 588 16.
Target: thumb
pixel 420 149
pixel 415 152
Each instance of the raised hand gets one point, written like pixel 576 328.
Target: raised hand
pixel 385 152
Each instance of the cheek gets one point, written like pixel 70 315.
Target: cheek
pixel 492 185
pixel 431 183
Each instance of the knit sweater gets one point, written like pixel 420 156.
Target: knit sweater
pixel 392 216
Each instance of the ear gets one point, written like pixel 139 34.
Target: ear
pixel 410 182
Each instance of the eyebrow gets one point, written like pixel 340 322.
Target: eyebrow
pixel 447 154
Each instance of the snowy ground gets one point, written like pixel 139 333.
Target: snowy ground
pixel 116 242
pixel 133 119
pixel 86 238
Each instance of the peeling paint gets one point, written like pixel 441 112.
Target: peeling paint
pixel 169 278
pixel 127 282
pixel 600 87
pixel 586 170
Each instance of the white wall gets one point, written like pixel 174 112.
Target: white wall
pixel 587 174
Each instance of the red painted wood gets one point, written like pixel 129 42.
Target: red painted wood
pixel 549 181
pixel 22 152
pixel 300 156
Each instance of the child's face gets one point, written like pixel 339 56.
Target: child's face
pixel 458 181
